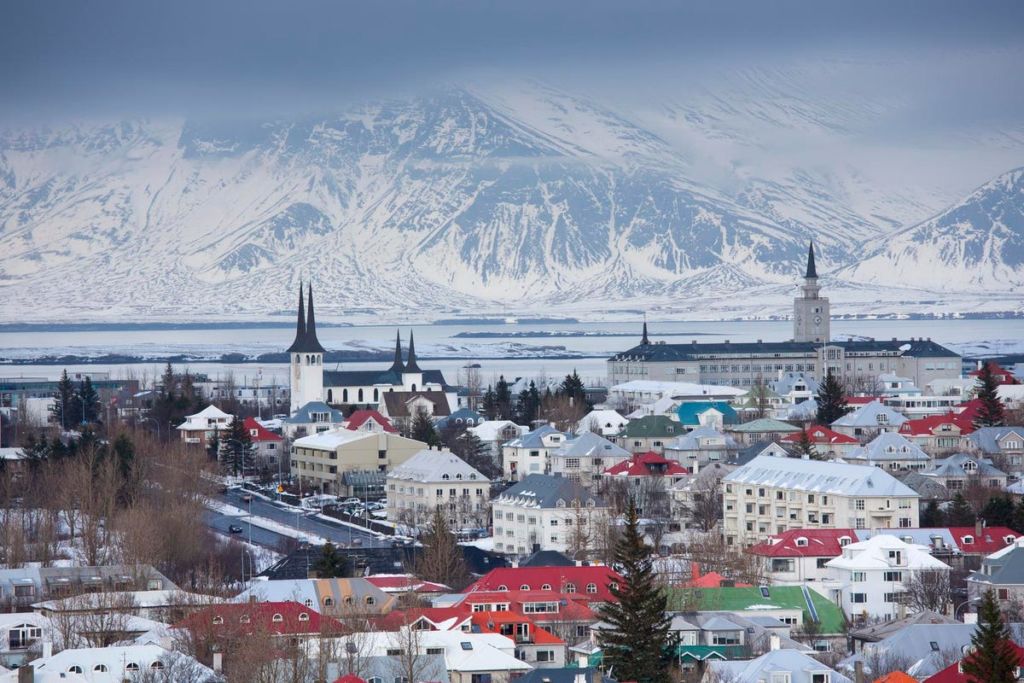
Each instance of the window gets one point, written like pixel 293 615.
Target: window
pixel 546 587
pixel 277 618
pixel 157 665
pixel 894 577
pixel 393 652
pixel 858 504
pixel 328 602
pixel 858 577
pixel 545 655
pixel 570 588
pixel 524 587
pixel 591 588
pixel 481 678
pixel 218 619
pixel 75 669
pixel 303 616
pixel 858 598
pixel 244 619
pixel 891 597
pixel 375 679
pixel 370 600
pixel 466 645
pixel 502 588
pixel 131 666
pixel 100 668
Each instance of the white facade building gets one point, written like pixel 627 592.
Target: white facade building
pixel 891 451
pixel 199 428
pixel 585 458
pixel 433 479
pixel 530 453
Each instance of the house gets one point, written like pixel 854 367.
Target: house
pixel 794 387
pixel 627 395
pixel 312 418
pixel 463 418
pixel 771 449
pixel 926 487
pixel 200 428
pixel 958 472
pixel 400 584
pixel 584 458
pixel 118 663
pixel 763 429
pixel 714 414
pixel 770 495
pixel 402 407
pixel 368 420
pixel 603 422
pixel 233 621
pixel 691 492
pixel 21 588
pixel 566 615
pixel 922 645
pixel 268 447
pixel 1004 443
pixel 891 451
pixel 918 406
pixel 644 465
pixel 937 433
pixel 954 672
pixel 534 644
pixel 869 419
pixel 869 578
pixel 649 433
pixel 774 666
pixel 332 597
pixel 1003 572
pixel 589 582
pixel 541 512
pixel 1000 374
pixel 881 630
pixel 529 453
pixel 20 632
pixel 437 480
pixel 150 605
pixel 828 443
pixel 797 556
pixel 494 433
pixel 700 447
pixel 321 460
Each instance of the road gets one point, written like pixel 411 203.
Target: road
pixel 338 533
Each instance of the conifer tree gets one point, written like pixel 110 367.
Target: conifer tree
pixel 489 404
pixel 805 447
pixel 503 399
pixel 423 430
pixel 236 447
pixel 932 517
pixel 63 402
pixel 636 643
pixel 89 401
pixel 993 658
pixel 959 512
pixel 332 564
pixel 572 386
pixel 468 446
pixel 991 412
pixel 831 400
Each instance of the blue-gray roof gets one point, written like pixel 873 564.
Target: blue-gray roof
pixel 654 353
pixel 534 438
pixel 545 491
pixel 304 414
pixel 987 438
pixel 463 417
pixel 689 411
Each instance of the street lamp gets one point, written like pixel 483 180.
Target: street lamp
pixel 966 602
pixel 155 422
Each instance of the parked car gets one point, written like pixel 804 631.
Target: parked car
pixel 235 529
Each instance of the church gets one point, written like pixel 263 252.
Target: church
pixel 811 351
pixel 352 389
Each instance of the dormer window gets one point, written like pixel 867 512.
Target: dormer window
pixel 968 540
pixel 844 541
pixel 801 542
pixel 445 477
pixel 277 618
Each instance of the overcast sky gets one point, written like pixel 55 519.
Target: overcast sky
pixel 71 59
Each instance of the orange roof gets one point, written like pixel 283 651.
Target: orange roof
pixel 896 677
pixel 489 621
pixel 712 580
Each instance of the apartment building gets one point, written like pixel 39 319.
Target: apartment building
pixel 432 480
pixel 769 495
pixel 320 460
pixel 585 458
pixel 530 453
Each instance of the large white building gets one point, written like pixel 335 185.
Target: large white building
pixel 542 512
pixel 868 578
pixel 433 479
pixel 769 495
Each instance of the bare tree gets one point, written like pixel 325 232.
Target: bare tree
pixel 91 619
pixel 927 590
pixel 711 551
pixel 441 559
pixel 705 501
pixel 176 667
pixel 409 665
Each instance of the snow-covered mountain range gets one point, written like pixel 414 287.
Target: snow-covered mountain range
pixel 473 200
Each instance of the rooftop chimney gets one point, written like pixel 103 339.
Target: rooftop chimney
pixel 774 642
pixel 26 674
pixel 978 526
pixel 218 662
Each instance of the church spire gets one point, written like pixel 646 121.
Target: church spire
pixel 397 365
pixel 644 341
pixel 312 343
pixel 300 325
pixel 410 365
pixel 811 270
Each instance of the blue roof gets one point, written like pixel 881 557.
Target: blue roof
pixel 533 439
pixel 690 410
pixel 461 417
pixel 303 414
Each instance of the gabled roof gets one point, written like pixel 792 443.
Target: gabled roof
pixel 882 630
pixel 888 446
pixel 822 477
pixel 652 426
pixel 547 558
pixel 404 583
pixel 210 412
pixel 821 435
pixel 799 665
pixel 556 577
pixel 867 416
pixel 646 465
pixel 534 438
pixel 387 378
pixel 765 425
pixel 953 466
pixel 463 417
pixel 930 424
pixel 262 434
pixel 691 440
pixel 281 618
pixel 431 466
pixel 398 402
pixel 987 438
pixel 589 444
pixel 546 491
pixel 332 439
pixel 872 553
pixel 304 415
pixel 766 598
pixel 804 543
pixel 690 411
pixel 952 674
pixel 603 419
pixel 490 430
pixel 992 538
pixel 359 417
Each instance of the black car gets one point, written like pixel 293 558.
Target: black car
pixel 235 529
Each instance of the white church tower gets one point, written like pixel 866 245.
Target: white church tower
pixel 307 358
pixel 810 310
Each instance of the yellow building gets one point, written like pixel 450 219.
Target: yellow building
pixel 320 460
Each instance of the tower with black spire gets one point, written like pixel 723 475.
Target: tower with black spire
pixel 412 376
pixel 811 312
pixel 306 357
pixel 645 340
pixel 397 366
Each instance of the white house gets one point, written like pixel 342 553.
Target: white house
pixel 774 666
pixel 433 479
pixel 868 420
pixel 541 513
pixel 494 433
pixel 700 447
pixel 585 458
pixel 199 428
pixel 891 451
pixel 639 392
pixel 530 453
pixel 603 422
pixel 868 578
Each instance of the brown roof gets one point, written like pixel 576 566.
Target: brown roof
pixel 397 402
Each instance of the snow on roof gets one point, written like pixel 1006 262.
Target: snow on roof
pixel 332 438
pixel 430 466
pixel 118 660
pixel 590 444
pixel 210 411
pixel 675 388
pixel 603 419
pixel 888 446
pixel 817 476
pixel 490 430
pixel 873 553
pixel 868 416
pixel 820 435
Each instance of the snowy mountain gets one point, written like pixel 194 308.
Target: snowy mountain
pixel 459 201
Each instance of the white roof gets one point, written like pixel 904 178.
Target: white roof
pixel 211 411
pixel 888 446
pixel 116 659
pixel 820 477
pixel 12 454
pixel 332 438
pixel 590 444
pixel 485 651
pixel 797 664
pixel 601 418
pixel 675 388
pixel 490 430
pixel 867 416
pixel 430 466
pixel 873 553
pixel 143 599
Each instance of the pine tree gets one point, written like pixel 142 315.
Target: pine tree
pixel 468 446
pixel 998 511
pixel 959 512
pixel 503 399
pixel 89 401
pixel 932 517
pixel 991 412
pixel 423 430
pixel 332 564
pixel 441 558
pixel 236 447
pixel 572 386
pixel 831 400
pixel 489 404
pixel 534 402
pixel 993 659
pixel 63 403
pixel 805 447
pixel 635 646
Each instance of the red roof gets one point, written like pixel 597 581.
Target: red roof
pixel 349 678
pixel 359 417
pixel 1002 375
pixel 820 435
pixel 490 622
pixel 811 543
pixel 969 409
pixel 396 619
pixel 896 677
pixel 712 580
pixel 258 433
pixel 860 400
pixel 646 465
pixel 992 538
pixel 926 426
pixel 280 618
pixel 558 578
pixel 951 674
pixel 401 583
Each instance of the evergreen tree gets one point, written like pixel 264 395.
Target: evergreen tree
pixel 831 400
pixel 332 564
pixel 636 644
pixel 489 404
pixel 959 512
pixel 423 430
pixel 441 558
pixel 475 453
pixel 64 400
pixel 572 386
pixel 1018 518
pixel 236 447
pixel 805 447
pixel 534 402
pixel 89 401
pixel 998 511
pixel 993 659
pixel 932 517
pixel 503 399
pixel 991 412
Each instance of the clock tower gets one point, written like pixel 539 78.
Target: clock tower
pixel 810 310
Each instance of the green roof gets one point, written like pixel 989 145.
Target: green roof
pixel 751 599
pixel 653 426
pixel 765 424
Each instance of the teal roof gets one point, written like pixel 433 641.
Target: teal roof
pixel 705 652
pixel 690 410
